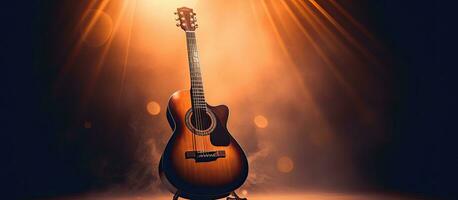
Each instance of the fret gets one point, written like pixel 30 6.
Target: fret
pixel 200 105
pixel 197 91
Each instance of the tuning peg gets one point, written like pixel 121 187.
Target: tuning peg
pixel 178 24
pixel 196 25
pixel 176 13
pixel 176 19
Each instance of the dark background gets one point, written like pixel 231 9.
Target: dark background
pixel 420 158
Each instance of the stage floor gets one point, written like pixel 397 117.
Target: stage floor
pixel 296 196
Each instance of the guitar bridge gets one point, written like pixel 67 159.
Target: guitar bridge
pixel 204 156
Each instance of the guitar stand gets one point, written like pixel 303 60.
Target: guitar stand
pixel 176 196
pixel 236 197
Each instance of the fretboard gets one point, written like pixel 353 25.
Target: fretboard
pixel 197 88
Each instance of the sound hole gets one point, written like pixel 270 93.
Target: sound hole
pixel 201 120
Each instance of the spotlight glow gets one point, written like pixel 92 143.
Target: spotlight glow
pixel 258 56
pixel 163 8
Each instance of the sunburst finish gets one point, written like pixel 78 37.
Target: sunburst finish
pixel 201 160
pixel 205 179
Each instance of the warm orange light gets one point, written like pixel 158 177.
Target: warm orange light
pixel 261 121
pixel 285 164
pixel 163 8
pixel 171 3
pixel 153 108
pixel 242 45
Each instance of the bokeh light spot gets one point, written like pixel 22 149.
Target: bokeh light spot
pixel 285 164
pixel 261 121
pixel 153 108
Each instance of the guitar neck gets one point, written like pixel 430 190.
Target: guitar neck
pixel 197 88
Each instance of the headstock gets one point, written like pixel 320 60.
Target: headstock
pixel 186 19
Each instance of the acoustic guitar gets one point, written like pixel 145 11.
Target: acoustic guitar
pixel 201 160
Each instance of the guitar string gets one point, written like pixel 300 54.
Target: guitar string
pixel 194 145
pixel 194 131
pixel 199 91
pixel 196 73
pixel 196 101
pixel 197 114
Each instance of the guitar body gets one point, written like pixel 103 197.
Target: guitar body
pixel 201 164
pixel 201 160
